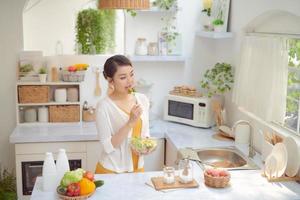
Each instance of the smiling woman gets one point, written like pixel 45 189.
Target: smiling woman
pixel 51 23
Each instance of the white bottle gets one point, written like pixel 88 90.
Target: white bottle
pixel 62 164
pixel 49 173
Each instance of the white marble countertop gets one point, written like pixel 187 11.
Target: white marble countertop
pixel 66 132
pixel 54 133
pixel 246 185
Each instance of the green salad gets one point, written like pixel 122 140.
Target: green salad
pixel 143 145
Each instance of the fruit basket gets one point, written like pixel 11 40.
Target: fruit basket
pixel 64 197
pixel 76 76
pixel 216 178
pixel 77 185
pixel 143 146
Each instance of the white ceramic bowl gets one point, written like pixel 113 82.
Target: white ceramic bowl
pixel 293 161
pixel 280 152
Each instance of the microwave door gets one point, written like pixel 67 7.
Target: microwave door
pixel 181 110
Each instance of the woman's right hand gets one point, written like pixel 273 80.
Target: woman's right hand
pixel 135 114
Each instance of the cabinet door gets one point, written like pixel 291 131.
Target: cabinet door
pixel 93 155
pixel 155 161
pixel 171 153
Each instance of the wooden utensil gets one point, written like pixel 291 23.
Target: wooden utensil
pixel 97 91
pixel 160 185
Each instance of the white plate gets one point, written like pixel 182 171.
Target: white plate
pixel 293 161
pixel 271 166
pixel 280 152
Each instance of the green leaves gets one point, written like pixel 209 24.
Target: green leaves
pixel 218 80
pixel 217 22
pixel 96 28
pixel 164 4
pixel 7 185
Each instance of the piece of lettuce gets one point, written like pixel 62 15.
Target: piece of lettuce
pixel 72 177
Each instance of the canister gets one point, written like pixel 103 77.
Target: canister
pixel 30 115
pixel 60 95
pixel 72 94
pixel 43 114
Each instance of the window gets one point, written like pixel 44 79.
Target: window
pixel 292 120
pixel 49 26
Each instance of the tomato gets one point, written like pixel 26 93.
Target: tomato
pixel 89 175
pixel 73 189
pixel 72 69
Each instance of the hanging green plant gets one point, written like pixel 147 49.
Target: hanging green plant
pixel 95 31
pixel 218 80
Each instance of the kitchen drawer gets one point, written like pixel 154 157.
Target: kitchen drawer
pixel 41 148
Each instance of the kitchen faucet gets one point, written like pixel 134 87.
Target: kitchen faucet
pixel 251 153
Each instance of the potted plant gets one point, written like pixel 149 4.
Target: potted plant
pixel 218 25
pixel 206 18
pixel 218 80
pixel 7 185
pixel 43 74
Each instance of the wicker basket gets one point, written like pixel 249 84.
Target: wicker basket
pixel 216 182
pixel 33 94
pixel 68 113
pixel 89 115
pixel 77 76
pixel 124 4
pixel 64 197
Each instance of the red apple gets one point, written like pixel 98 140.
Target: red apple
pixel 89 175
pixel 73 190
pixel 223 173
pixel 72 69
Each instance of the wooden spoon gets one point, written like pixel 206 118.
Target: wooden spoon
pixel 97 91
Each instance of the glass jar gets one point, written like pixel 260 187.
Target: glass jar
pixel 169 175
pixel 141 47
pixel 152 49
pixel 185 169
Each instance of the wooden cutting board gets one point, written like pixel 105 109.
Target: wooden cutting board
pixel 160 185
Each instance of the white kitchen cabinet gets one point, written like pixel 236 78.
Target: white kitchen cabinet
pixel 171 153
pixel 30 155
pixel 155 161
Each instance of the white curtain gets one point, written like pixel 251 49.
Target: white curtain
pixel 261 78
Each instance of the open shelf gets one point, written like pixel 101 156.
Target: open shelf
pixel 135 58
pixel 48 83
pixel 214 35
pixel 49 104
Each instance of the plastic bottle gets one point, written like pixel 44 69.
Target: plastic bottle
pixel 62 164
pixel 49 173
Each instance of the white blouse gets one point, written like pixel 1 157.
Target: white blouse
pixel 109 119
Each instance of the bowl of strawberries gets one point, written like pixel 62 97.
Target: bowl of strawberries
pixel 77 185
pixel 216 178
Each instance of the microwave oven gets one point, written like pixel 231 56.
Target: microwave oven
pixel 194 111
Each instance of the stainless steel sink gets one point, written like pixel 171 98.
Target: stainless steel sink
pixel 225 157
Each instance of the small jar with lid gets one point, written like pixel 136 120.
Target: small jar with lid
pixel 152 49
pixel 185 169
pixel 169 175
pixel 141 47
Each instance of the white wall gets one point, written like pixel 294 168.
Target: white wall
pixel 10 44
